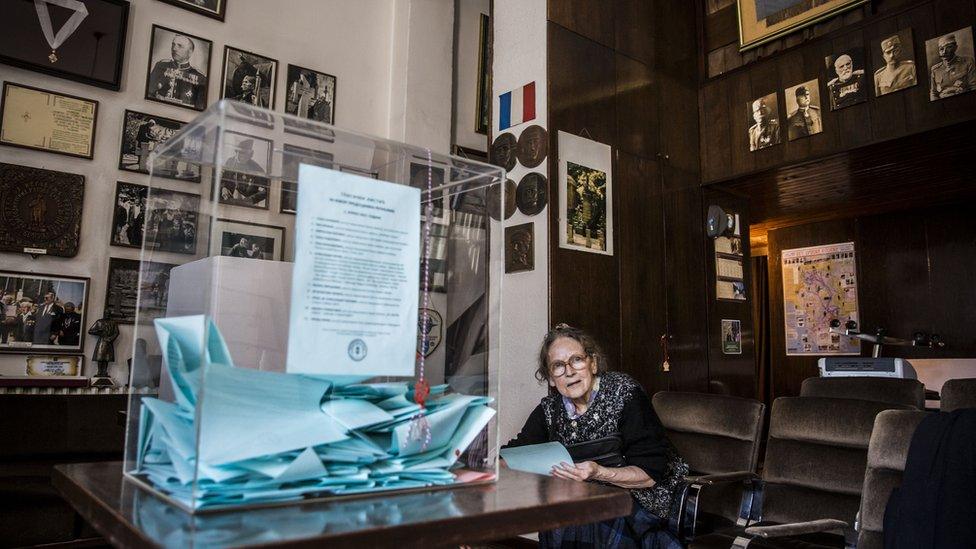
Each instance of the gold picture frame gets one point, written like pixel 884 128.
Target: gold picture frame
pixel 761 21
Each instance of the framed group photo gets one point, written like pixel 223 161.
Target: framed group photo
pixel 249 78
pixel 247 240
pixel 310 94
pixel 179 68
pixel 42 312
pixel 143 134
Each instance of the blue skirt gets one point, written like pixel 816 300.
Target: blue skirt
pixel 639 530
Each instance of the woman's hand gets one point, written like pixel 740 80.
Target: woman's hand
pixel 582 471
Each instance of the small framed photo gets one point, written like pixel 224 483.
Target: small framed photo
pixel 171 223
pixel 764 130
pixel 122 298
pixel 311 94
pixel 731 337
pixel 895 54
pixel 249 78
pixel 951 67
pixel 211 8
pixel 129 219
pixel 247 240
pixel 585 196
pixel 294 156
pixel 42 312
pixel 42 366
pixel 179 68
pixel 803 114
pixel 847 84
pixel 244 176
pixel 142 134
pixel 42 120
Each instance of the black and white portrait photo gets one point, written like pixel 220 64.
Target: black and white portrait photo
pixel 846 84
pixel 142 134
pixel 290 160
pixel 179 67
pixel 130 214
pixel 764 130
pixel 311 94
pixel 249 78
pixel 171 221
pixel 123 289
pixel 247 240
pixel 243 180
pixel 895 55
pixel 42 312
pixel 210 8
pixel 803 114
pixel 951 67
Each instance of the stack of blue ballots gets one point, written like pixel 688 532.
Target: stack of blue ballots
pixel 269 437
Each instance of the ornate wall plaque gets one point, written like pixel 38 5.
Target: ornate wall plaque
pixel 502 152
pixel 40 211
pixel 531 193
pixel 520 248
pixel 533 146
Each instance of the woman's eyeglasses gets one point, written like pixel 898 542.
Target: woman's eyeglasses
pixel 576 362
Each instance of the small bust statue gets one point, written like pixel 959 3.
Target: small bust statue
pixel 106 330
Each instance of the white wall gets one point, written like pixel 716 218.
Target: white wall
pixel 351 40
pixel 466 75
pixel 520 58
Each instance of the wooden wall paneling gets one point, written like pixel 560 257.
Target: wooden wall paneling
pixel 951 237
pixel 721 28
pixel 583 286
pixel 740 96
pixel 643 308
pixel 637 117
pixel 716 136
pixel 589 18
pixel 633 21
pixel 920 113
pixel 788 372
pixel 728 373
pixel 676 67
pixel 887 111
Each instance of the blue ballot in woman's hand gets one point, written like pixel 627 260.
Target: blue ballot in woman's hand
pixel 582 471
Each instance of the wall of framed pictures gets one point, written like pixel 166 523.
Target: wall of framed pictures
pixel 334 67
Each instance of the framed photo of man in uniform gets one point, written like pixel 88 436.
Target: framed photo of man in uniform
pixel 244 178
pixel 803 114
pixel 895 57
pixel 249 78
pixel 846 83
pixel 764 129
pixel 951 67
pixel 310 94
pixel 179 68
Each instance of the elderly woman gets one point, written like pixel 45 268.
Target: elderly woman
pixel 606 421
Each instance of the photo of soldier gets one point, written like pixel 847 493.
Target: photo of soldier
pixel 898 72
pixel 180 66
pixel 803 106
pixel 846 85
pixel 951 67
pixel 764 116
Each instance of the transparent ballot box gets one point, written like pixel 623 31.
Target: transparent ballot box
pixel 317 315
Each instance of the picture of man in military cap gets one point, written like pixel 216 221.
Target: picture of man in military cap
pixel 899 70
pixel 242 182
pixel 848 87
pixel 803 104
pixel 951 67
pixel 765 132
pixel 179 73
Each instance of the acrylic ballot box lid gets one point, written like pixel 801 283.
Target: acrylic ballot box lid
pixel 318 309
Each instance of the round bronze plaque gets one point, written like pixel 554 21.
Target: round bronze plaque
pixel 533 146
pixel 530 197
pixel 503 151
pixel 494 200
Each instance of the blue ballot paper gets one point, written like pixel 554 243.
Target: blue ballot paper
pixel 235 436
pixel 536 458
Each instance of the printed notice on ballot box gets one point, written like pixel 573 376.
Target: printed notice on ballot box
pixel 355 284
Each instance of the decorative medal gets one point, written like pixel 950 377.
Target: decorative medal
pixel 44 17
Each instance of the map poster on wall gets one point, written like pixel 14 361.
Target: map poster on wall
pixel 819 285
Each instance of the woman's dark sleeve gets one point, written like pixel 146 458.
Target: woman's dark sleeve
pixel 533 432
pixel 645 443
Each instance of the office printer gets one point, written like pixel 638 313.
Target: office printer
pixel 875 365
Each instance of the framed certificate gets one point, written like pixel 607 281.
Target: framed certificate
pixel 54 365
pixel 43 120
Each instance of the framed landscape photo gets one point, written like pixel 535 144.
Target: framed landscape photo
pixel 585 195
pixel 249 78
pixel 247 240
pixel 310 94
pixel 179 68
pixel 42 312
pixel 142 134
pixel 211 8
pixel 763 20
pixel 82 40
pixel 42 120
pixel 123 289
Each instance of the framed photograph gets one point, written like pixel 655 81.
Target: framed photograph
pixel 311 94
pixel 123 288
pixel 129 219
pixel 82 41
pixel 731 337
pixel 846 82
pixel 247 240
pixel 179 68
pixel 803 114
pixel 520 248
pixel 484 76
pixel 586 197
pixel 42 120
pixel 764 119
pixel 54 365
pixel 42 312
pixel 144 133
pixel 41 211
pixel 243 179
pixel 763 20
pixel 951 67
pixel 171 223
pixel 211 8
pixel 290 160
pixel 249 78
pixel 895 55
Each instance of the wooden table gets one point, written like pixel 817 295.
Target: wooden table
pixel 518 503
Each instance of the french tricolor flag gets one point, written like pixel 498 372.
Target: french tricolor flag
pixel 516 106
